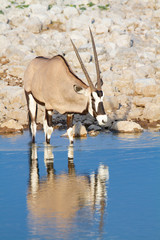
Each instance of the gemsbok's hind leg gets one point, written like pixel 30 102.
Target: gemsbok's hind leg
pixel 32 107
pixel 47 125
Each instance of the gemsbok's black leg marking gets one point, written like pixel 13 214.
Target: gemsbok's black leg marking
pixel 48 128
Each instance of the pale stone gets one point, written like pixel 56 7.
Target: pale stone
pixel 38 8
pixel 4 44
pixel 152 112
pixel 107 87
pixel 33 24
pixel 123 41
pixel 13 94
pixel 93 133
pixel 135 113
pixel 69 12
pixel 79 130
pixel 19 115
pixel 111 49
pixel 101 28
pixel 16 71
pixel 146 87
pixel 110 104
pixel 141 101
pixel 127 127
pixel 4 27
pixel 16 20
pixel 12 125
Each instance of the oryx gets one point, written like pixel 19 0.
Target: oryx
pixel 51 82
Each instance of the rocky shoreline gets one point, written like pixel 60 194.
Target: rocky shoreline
pixel 127 38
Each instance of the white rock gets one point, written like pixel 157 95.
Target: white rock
pixel 110 104
pixel 33 24
pixel 101 28
pixel 12 125
pixel 38 9
pixel 135 113
pixel 4 27
pixel 152 112
pixel 19 115
pixel 123 40
pixel 13 94
pixel 146 87
pixel 141 101
pixel 16 71
pixel 69 12
pixel 79 130
pixel 4 44
pixel 127 127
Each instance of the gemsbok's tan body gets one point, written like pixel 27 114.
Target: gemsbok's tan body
pixel 51 82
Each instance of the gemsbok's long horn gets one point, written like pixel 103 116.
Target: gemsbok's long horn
pixel 83 68
pixel 96 62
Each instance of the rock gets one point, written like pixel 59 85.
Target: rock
pixel 135 113
pixel 78 131
pixel 13 94
pixel 70 12
pixel 93 133
pixel 4 44
pixel 146 87
pixel 88 122
pixel 4 27
pixel 11 126
pixel 111 104
pixel 19 115
pixel 141 101
pixel 126 127
pixel 152 112
pixel 94 127
pixel 33 24
pixel 16 71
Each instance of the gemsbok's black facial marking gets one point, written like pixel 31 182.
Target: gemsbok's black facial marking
pixel 100 110
pixel 99 93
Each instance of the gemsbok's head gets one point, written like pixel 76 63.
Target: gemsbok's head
pixel 96 95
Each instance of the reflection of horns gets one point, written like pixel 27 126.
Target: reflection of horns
pixel 83 68
pixel 96 62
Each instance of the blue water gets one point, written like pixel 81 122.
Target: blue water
pixel 34 204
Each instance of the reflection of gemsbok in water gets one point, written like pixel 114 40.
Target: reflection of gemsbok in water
pixel 54 201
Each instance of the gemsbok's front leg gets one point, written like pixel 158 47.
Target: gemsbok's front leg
pixel 32 110
pixel 47 125
pixel 70 127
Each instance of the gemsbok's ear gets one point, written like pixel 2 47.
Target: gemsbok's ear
pixel 79 90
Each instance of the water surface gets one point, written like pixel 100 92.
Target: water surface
pixel 109 191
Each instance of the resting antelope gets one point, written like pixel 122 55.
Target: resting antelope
pixel 51 82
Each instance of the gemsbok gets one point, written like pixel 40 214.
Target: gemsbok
pixel 52 83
